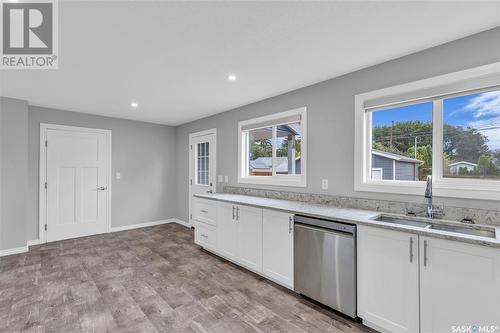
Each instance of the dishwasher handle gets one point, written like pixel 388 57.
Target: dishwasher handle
pixel 326 224
pixel 325 230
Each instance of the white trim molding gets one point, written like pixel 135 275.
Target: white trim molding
pixel 33 242
pixel 42 204
pixel 147 224
pixel 273 120
pixel 15 250
pixel 443 187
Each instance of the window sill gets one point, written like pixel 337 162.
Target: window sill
pixel 276 181
pixel 440 189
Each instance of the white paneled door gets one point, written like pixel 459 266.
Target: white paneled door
pixel 77 186
pixel 202 160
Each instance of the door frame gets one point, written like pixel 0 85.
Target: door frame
pixel 213 163
pixel 42 197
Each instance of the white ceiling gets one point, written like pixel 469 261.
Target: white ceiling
pixel 174 57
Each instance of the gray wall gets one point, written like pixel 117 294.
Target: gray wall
pixel 386 164
pixel 330 107
pixel 142 152
pixel 14 169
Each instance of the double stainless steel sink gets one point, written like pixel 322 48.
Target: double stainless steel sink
pixel 414 222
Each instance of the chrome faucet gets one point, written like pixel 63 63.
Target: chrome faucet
pixel 431 210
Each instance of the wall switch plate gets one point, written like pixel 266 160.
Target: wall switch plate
pixel 219 178
pixel 324 184
pixel 226 179
pixel 118 175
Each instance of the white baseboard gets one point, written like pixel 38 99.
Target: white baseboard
pixel 15 250
pixel 181 222
pixel 146 224
pixel 33 242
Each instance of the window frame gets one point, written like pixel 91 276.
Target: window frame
pixel 443 187
pixel 275 179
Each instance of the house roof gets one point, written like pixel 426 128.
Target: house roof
pixel 396 157
pixel 463 162
pixel 265 163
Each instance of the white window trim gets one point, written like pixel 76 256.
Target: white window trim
pixel 442 187
pixel 275 179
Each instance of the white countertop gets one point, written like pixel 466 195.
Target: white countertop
pixel 355 216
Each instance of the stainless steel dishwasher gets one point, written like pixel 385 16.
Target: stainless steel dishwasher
pixel 325 262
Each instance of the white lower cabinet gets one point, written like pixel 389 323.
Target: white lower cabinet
pixel 226 230
pixel 249 237
pixel 388 279
pixel 457 285
pixel 277 245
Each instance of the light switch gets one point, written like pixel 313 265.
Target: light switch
pixel 118 175
pixel 226 179
pixel 324 184
pixel 219 178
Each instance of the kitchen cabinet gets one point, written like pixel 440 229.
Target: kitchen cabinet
pixel 226 230
pixel 387 277
pixel 456 284
pixel 249 237
pixel 277 246
pixel 459 285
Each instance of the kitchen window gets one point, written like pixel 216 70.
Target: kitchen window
pixel 447 127
pixel 272 149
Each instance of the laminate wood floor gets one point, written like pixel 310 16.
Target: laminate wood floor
pixel 147 280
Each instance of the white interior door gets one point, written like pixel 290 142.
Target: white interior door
pixel 202 149
pixel 77 183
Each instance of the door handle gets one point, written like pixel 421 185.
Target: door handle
pixel 289 224
pixel 411 249
pixel 210 191
pixel 233 212
pixel 238 213
pixel 102 188
pixel 425 252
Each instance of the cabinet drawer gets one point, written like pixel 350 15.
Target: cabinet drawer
pixel 205 211
pixel 205 235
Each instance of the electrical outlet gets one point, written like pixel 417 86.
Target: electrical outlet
pixel 324 184
pixel 118 175
pixel 219 178
pixel 226 179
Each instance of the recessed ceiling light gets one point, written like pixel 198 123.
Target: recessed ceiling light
pixel 232 77
pixel 134 105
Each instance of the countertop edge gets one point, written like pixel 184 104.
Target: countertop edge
pixel 368 220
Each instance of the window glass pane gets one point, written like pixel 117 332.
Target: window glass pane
pixel 471 136
pixel 202 163
pixel 402 143
pixel 260 152
pixel 288 144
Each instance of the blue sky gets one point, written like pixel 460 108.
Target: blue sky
pixel 480 111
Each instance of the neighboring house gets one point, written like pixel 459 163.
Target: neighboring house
pixel 455 167
pixel 390 166
pixel 262 166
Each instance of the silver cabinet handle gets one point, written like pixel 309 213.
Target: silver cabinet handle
pixel 237 213
pixel 289 224
pixel 102 188
pixel 233 212
pixel 411 249
pixel 203 211
pixel 425 252
pixel 203 235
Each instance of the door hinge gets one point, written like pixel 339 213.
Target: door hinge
pixel 45 227
pixel 191 181
pixel 45 185
pixel 191 147
pixel 46 143
pixel 190 216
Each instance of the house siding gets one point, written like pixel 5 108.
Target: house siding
pixel 405 171
pixel 385 164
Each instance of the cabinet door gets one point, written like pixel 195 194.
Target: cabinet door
pixel 459 285
pixel 226 230
pixel 388 279
pixel 249 222
pixel 277 246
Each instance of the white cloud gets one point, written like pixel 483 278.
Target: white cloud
pixel 485 104
pixel 490 128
